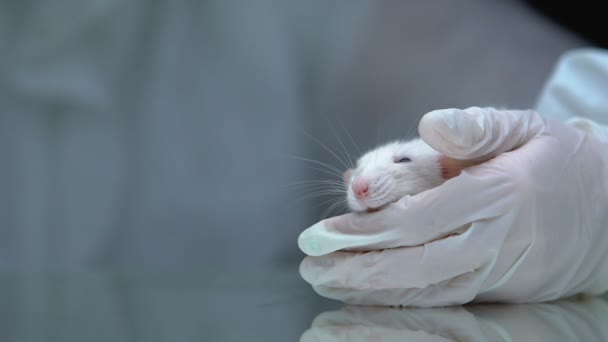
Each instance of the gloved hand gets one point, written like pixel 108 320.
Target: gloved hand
pixel 564 320
pixel 529 225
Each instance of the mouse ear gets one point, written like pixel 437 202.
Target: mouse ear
pixel 346 176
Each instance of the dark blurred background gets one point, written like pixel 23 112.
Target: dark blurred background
pixel 161 134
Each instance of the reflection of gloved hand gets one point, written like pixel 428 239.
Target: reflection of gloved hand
pixel 557 321
pixel 529 225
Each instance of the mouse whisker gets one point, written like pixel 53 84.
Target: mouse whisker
pixel 405 178
pixel 329 169
pixel 411 131
pixel 319 190
pixel 328 150
pixel 327 191
pixel 315 195
pixel 333 199
pixel 320 163
pixel 343 151
pixel 383 186
pixel 333 183
pixel 338 204
pixel 350 137
pixel 333 174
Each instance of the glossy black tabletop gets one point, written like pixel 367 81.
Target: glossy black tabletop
pixel 260 306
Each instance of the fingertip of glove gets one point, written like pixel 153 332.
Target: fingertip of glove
pixel 308 241
pixel 452 131
pixel 439 118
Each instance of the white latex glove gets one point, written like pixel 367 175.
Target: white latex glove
pixel 565 320
pixel 577 87
pixel 530 224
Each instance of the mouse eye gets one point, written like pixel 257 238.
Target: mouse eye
pixel 404 160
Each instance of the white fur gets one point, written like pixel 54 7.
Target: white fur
pixel 390 181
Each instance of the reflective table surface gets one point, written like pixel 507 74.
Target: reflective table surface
pixel 261 306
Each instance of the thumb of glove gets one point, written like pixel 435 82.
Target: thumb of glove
pixel 478 133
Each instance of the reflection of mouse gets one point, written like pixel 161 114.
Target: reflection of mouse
pixel 391 171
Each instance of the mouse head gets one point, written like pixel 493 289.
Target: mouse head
pixel 391 171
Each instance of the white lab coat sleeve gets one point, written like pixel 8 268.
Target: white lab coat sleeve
pixel 577 87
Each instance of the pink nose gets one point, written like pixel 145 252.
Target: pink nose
pixel 360 187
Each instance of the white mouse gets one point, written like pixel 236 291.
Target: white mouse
pixel 390 172
pixel 397 169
